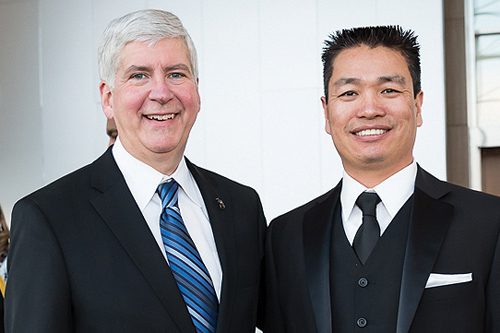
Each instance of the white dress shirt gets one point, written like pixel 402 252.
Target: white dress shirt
pixel 393 193
pixel 142 181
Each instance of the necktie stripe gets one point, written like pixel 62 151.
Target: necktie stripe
pixel 198 317
pixel 175 215
pixel 201 324
pixel 173 221
pixel 190 268
pixel 180 237
pixel 177 231
pixel 167 200
pixel 195 278
pixel 189 249
pixel 191 275
pixel 195 292
pixel 176 227
pixel 191 301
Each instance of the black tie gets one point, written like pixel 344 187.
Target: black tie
pixel 369 232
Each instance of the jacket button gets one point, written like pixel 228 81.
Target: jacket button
pixel 363 282
pixel 362 322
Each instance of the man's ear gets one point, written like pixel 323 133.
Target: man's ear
pixel 324 103
pixel 106 99
pixel 419 100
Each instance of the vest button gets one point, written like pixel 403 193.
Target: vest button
pixel 363 282
pixel 362 322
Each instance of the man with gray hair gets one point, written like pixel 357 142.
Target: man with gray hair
pixel 140 240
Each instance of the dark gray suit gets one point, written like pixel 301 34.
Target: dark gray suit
pixel 84 260
pixel 452 230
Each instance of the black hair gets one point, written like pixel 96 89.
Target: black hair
pixel 393 37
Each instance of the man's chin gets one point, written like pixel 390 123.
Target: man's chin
pixel 167 148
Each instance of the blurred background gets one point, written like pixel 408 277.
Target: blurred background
pixel 261 121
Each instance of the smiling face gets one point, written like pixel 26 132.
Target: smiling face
pixel 154 101
pixel 371 113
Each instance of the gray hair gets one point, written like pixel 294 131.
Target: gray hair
pixel 148 25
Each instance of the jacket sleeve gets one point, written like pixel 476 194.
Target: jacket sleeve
pixel 38 295
pixel 493 293
pixel 262 234
pixel 273 322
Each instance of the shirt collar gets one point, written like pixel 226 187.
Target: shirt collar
pixel 185 179
pixel 393 192
pixel 143 180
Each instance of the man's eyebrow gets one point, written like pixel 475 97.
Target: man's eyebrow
pixel 399 79
pixel 393 78
pixel 346 80
pixel 177 66
pixel 134 68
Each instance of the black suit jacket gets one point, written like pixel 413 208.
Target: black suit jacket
pixel 452 230
pixel 83 259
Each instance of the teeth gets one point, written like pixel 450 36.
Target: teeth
pixel 371 132
pixel 161 117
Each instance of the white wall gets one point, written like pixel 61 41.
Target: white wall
pixel 261 80
pixel 21 144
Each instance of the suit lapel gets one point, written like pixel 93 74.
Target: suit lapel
pixel 220 207
pixel 118 209
pixel 317 230
pixel 428 226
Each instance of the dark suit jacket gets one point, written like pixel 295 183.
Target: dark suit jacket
pixel 1 314
pixel 453 230
pixel 84 260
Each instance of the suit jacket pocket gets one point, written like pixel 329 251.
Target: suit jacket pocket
pixel 451 308
pixel 451 293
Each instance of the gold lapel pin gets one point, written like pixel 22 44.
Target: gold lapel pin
pixel 221 203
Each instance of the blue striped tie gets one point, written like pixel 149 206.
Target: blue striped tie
pixel 185 262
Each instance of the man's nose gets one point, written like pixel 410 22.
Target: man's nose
pixel 371 106
pixel 160 90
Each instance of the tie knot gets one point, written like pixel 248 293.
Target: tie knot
pixel 168 193
pixel 367 202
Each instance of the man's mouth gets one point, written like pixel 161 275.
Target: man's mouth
pixel 371 131
pixel 161 117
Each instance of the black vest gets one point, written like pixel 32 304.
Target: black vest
pixel 365 298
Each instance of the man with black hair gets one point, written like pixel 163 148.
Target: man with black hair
pixel 391 248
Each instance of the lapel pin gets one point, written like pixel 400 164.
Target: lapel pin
pixel 221 203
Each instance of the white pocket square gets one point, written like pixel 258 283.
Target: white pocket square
pixel 438 280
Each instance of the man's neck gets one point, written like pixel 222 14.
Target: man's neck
pixel 371 176
pixel 165 163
